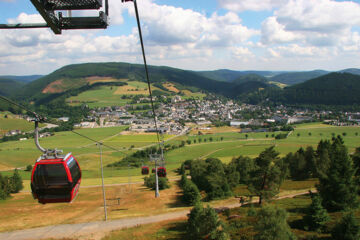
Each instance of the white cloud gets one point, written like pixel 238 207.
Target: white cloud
pixel 252 5
pixel 27 18
pixel 321 16
pixel 320 23
pixel 274 32
pixel 167 25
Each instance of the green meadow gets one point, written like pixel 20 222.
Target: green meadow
pixel 9 121
pixel 19 154
pixel 99 97
pixel 104 96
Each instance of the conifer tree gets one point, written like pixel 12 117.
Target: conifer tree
pixel 204 223
pixel 347 229
pixel 267 177
pixel 271 224
pixel 316 217
pixel 337 187
pixel 322 161
pixel 244 165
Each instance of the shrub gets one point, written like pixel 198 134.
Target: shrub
pixel 272 225
pixel 191 193
pixel 150 182
pixel 28 168
pixel 15 182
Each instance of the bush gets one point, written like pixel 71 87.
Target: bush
pixel 15 182
pixel 281 136
pixel 191 194
pixel 272 225
pixel 28 168
pixel 150 182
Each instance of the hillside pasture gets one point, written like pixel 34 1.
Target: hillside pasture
pixel 102 96
pixel 134 88
pixel 12 122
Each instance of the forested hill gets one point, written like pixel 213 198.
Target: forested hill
pixel 330 89
pixel 77 76
pixel 226 75
pixel 291 78
pixel 9 86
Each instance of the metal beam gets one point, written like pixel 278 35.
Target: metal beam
pixel 49 16
pixel 24 25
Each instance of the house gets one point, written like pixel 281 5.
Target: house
pixel 236 123
pixel 64 119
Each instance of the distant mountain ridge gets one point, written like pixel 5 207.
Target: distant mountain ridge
pixel 226 75
pixel 24 79
pixel 284 77
pixel 77 76
pixel 73 79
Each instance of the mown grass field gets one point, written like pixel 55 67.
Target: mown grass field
pixel 104 96
pixel 12 122
pixel 225 146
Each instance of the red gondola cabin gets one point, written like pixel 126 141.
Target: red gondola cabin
pixel 55 179
pixel 144 170
pixel 161 171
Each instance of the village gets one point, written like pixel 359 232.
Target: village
pixel 175 115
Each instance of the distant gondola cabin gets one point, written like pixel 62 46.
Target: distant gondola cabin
pixel 144 170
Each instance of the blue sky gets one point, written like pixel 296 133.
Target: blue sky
pixel 198 35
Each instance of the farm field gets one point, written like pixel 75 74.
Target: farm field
pixel 11 122
pixel 225 146
pixel 104 96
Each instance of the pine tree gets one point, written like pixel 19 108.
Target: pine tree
pixel 271 224
pixel 205 223
pixel 267 177
pixel 322 161
pixel 244 165
pixel 347 229
pixel 316 217
pixel 337 187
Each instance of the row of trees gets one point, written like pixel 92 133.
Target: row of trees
pixel 8 185
pixel 264 175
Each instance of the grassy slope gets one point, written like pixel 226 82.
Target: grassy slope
pixel 86 207
pixel 110 95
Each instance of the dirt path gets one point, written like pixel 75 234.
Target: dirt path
pixel 97 230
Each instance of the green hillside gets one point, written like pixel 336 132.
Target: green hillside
pixel 291 78
pixel 9 86
pixel 74 79
pixel 250 78
pixel 331 89
pixel 226 75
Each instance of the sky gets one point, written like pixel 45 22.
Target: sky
pixel 287 35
